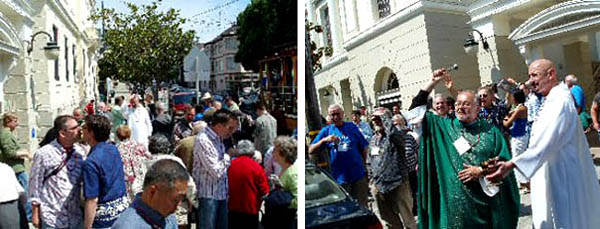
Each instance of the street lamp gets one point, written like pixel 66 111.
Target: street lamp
pixel 51 49
pixel 471 46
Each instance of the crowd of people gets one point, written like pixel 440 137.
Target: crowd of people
pixel 150 165
pixel 461 161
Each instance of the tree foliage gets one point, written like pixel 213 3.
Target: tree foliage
pixel 143 44
pixel 316 53
pixel 264 27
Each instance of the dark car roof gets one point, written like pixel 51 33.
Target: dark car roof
pixel 345 212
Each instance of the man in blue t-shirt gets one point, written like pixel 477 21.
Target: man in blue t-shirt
pixel 347 148
pixel 577 92
pixel 103 176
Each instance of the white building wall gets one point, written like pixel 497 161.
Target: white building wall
pixel 411 42
pixel 56 97
pixel 15 71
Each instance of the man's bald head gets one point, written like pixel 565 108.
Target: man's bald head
pixel 542 75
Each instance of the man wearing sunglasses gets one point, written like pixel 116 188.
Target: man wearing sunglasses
pixel 492 111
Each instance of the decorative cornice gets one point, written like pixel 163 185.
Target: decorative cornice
pixel 400 17
pixel 5 47
pixel 488 8
pixel 558 19
pixel 21 8
pixel 63 14
pixel 7 28
pixel 334 61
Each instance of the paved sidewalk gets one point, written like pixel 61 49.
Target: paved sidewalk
pixel 525 215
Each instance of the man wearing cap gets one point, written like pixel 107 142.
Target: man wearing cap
pixel 389 170
pixel 207 100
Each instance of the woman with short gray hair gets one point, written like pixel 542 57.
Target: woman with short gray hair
pixel 247 187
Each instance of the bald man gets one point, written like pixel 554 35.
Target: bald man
pixel 564 186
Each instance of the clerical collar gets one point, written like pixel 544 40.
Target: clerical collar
pixel 467 125
pixel 149 215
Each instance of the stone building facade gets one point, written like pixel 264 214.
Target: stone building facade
pixel 58 86
pixel 16 25
pixel 226 75
pixel 385 50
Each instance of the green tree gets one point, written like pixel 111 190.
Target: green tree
pixel 264 27
pixel 316 53
pixel 143 44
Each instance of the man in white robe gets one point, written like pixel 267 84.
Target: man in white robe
pixel 564 186
pixel 138 120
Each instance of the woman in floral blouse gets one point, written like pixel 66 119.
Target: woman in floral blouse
pixel 134 156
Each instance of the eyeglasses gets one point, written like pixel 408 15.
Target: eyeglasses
pixel 463 104
pixel 336 113
pixel 483 96
pixel 74 127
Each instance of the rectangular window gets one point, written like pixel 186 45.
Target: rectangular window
pixel 231 44
pixel 383 6
pixel 230 63
pixel 67 58
pixel 75 64
pixel 55 33
pixel 326 26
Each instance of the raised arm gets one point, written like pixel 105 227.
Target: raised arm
pixel 594 113
pixel 421 98
pixel 508 121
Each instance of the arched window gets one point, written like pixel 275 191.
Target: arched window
pixel 392 82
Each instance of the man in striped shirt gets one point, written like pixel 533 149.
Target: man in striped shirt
pixel 210 169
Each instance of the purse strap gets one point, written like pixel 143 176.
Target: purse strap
pixel 59 167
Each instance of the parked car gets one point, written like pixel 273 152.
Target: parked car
pixel 328 205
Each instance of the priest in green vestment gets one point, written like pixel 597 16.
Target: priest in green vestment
pixel 452 190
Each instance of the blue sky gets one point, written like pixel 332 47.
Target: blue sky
pixel 207 17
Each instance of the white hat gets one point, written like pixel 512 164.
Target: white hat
pixel 206 96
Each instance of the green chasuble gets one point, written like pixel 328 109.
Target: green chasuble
pixel 443 200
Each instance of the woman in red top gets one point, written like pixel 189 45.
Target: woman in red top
pixel 247 186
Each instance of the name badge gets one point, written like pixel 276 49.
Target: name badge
pixel 343 147
pixel 462 145
pixel 375 150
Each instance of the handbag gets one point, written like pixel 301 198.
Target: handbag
pixel 277 212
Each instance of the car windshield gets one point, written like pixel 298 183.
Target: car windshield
pixel 320 189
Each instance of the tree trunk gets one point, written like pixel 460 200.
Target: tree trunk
pixel 313 116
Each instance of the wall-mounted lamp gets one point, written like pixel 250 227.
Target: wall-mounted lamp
pixel 472 47
pixel 52 49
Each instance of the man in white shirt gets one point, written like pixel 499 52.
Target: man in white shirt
pixel 138 120
pixel 11 215
pixel 564 186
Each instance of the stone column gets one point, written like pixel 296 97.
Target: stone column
pixel 19 100
pixel 336 28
